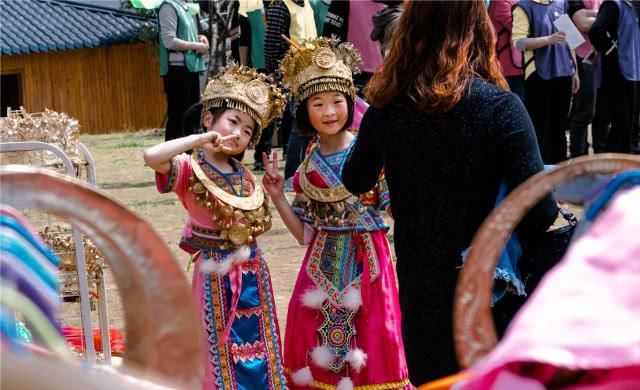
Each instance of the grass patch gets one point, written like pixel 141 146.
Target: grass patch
pixel 129 144
pixel 121 185
pixel 152 203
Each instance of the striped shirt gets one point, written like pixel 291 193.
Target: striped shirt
pixel 278 23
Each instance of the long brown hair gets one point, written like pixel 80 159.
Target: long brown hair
pixel 435 51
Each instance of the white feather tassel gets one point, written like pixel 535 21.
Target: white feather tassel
pixel 208 267
pixel 302 377
pixel 220 268
pixel 345 384
pixel 322 356
pixel 352 299
pixel 314 298
pixel 356 358
pixel 224 266
pixel 241 255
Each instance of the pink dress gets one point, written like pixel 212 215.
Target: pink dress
pixel 360 25
pixel 336 316
pixel 237 308
pixel 584 316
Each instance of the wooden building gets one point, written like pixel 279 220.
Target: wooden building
pixel 84 60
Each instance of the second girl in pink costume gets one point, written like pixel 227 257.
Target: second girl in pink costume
pixel 343 323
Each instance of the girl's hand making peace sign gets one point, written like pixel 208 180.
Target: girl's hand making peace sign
pixel 213 142
pixel 272 181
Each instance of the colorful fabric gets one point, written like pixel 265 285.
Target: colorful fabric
pixel 13 271
pixel 334 268
pixel 12 220
pixel 251 356
pixel 237 309
pixel 15 245
pixel 363 211
pixel 177 180
pixel 575 329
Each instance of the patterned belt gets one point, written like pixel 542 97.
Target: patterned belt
pixel 201 231
pixel 208 239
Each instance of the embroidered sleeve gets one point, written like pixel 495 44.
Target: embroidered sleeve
pixel 177 179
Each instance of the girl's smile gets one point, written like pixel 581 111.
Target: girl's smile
pixel 328 112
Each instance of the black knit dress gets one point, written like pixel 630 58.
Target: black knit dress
pixel 443 174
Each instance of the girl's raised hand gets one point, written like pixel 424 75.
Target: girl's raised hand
pixel 214 142
pixel 272 181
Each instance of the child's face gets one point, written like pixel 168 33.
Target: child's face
pixel 232 122
pixel 328 112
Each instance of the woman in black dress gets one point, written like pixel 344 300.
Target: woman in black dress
pixel 447 133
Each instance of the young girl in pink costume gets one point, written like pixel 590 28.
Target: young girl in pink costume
pixel 227 210
pixel 343 323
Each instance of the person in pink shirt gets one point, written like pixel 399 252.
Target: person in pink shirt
pixel 510 58
pixel 350 21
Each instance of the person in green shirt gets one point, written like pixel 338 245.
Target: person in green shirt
pixel 181 62
pixel 320 10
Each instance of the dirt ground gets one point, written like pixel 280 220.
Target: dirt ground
pixel 122 175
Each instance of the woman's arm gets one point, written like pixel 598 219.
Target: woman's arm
pixel 364 163
pixel 575 79
pixel 520 33
pixel 168 20
pixel 584 19
pixel 604 29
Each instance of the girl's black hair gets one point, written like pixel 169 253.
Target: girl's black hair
pixel 192 122
pixel 304 123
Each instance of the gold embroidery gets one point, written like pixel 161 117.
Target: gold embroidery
pixel 251 202
pixel 325 195
pixel 241 218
